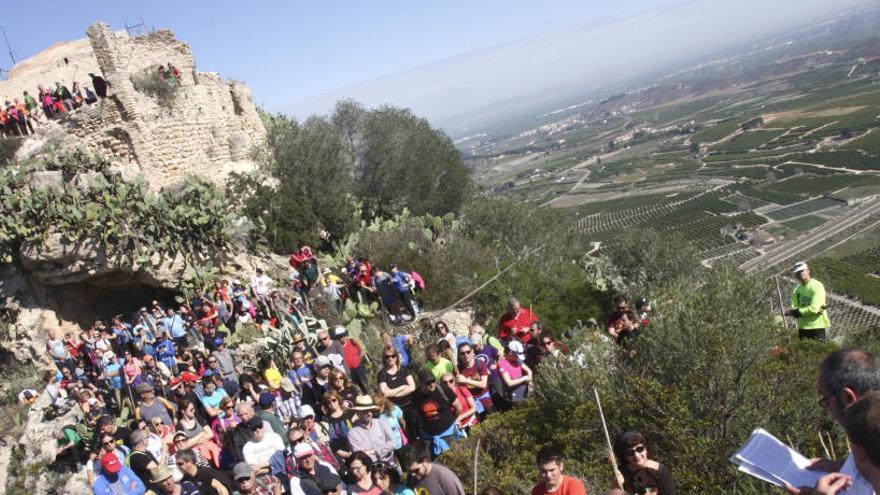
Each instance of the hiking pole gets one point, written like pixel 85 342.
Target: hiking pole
pixel 781 306
pixel 617 476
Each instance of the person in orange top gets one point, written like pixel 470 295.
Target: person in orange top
pixel 553 482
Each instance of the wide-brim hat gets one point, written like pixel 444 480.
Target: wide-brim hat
pixel 364 403
pixel 287 385
pixel 160 473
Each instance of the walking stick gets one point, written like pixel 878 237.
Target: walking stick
pixel 617 476
pixel 781 306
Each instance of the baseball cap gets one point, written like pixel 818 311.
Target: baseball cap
pixel 188 376
pixel 175 382
pixel 517 347
pixel 218 342
pixel 799 267
pixel 266 399
pixel 339 331
pixel 110 463
pixel 322 361
pixel 303 450
pixel 242 470
pixel 305 411
pixel 109 355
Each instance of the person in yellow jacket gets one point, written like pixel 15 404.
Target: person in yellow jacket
pixel 808 305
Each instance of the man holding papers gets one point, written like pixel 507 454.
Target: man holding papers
pixel 844 378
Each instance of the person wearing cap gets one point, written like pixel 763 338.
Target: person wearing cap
pixel 258 450
pixel 289 402
pixel 226 359
pixel 320 383
pixel 331 285
pixel 516 321
pixel 438 410
pixel 249 483
pixel 309 353
pixel 808 305
pixel 515 374
pixel 149 406
pixel 115 478
pixel 312 477
pixel 314 431
pixel 370 434
pixel 266 412
pixel 162 480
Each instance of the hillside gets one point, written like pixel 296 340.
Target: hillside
pixel 758 158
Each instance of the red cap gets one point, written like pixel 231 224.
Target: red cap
pixel 188 376
pixel 148 358
pixel 175 382
pixel 111 463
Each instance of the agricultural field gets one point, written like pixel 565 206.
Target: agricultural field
pixel 738 167
pixel 800 209
pixel 805 223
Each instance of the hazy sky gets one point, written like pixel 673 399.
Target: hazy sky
pixel 297 55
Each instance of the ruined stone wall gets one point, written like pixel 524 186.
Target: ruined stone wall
pixel 208 126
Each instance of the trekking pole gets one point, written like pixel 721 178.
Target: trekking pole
pixel 781 306
pixel 476 458
pixel 617 476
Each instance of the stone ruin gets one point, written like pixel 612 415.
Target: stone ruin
pixel 209 127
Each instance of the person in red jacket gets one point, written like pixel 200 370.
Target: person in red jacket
pixel 553 482
pixel 516 322
pixel 353 353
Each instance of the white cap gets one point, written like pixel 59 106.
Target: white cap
pixel 799 266
pixel 306 410
pixel 517 347
pixel 339 330
pixel 302 450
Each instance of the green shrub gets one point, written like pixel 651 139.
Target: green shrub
pixel 150 83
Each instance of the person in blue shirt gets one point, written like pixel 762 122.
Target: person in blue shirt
pixel 113 375
pixel 403 282
pixel 173 323
pixel 165 352
pixel 116 478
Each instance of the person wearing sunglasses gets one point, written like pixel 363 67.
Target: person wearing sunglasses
pixel 631 450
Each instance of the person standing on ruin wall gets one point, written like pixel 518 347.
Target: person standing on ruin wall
pixel 808 305
pixel 99 84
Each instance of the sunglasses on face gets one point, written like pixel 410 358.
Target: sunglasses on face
pixel 390 356
pixel 633 451
pixel 449 382
pixel 466 352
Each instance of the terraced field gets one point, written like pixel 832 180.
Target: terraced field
pixel 803 208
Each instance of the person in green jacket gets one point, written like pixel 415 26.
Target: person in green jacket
pixel 808 304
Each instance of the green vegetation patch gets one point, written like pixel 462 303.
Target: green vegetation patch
pixel 869 143
pixel 847 276
pixel 803 224
pixel 716 132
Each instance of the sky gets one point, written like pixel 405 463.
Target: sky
pixel 441 58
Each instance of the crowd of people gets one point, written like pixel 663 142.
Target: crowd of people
pixel 165 406
pixel 17 117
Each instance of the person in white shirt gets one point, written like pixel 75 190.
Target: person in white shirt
pixel 259 450
pixel 262 284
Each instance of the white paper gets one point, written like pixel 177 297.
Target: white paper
pixel 766 458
